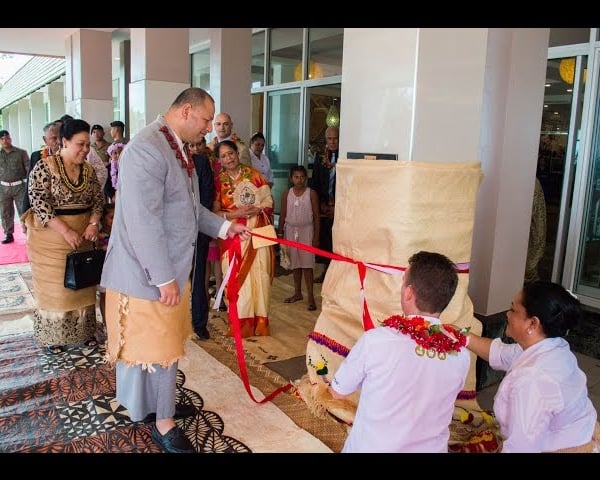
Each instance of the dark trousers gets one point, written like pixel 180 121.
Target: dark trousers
pixel 199 296
pixel 325 239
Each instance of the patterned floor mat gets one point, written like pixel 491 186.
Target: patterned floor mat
pixel 14 294
pixel 66 403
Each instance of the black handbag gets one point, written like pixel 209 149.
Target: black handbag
pixel 84 269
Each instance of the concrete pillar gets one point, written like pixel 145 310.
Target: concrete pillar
pixel 88 89
pixel 21 137
pixel 122 75
pixel 457 95
pixel 38 120
pixel 231 77
pixel 160 70
pixel 11 120
pixel 55 98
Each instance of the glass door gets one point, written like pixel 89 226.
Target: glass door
pixel 323 107
pixel 557 155
pixel 587 278
pixel 283 129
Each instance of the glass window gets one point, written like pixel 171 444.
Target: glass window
pixel 325 52
pixel 258 59
pixel 116 101
pixel 283 136
pixel 201 69
pixel 286 55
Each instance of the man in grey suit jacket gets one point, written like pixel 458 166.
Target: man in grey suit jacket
pixel 149 260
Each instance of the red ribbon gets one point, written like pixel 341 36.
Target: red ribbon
pixel 235 252
pixel 233 289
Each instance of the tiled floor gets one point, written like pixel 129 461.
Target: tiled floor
pixel 586 338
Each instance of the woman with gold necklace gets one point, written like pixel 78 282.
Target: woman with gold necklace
pixel 243 195
pixel 66 207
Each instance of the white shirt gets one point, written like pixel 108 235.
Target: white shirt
pixel 263 165
pixel 542 403
pixel 407 401
pixel 101 171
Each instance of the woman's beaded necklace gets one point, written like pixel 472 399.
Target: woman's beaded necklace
pixel 235 178
pixel 82 180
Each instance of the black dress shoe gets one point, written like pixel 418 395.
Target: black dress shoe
pixel 8 238
pixel 174 441
pixel 203 333
pixel 184 410
pixel 181 411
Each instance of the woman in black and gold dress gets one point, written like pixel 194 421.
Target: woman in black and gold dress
pixel 66 207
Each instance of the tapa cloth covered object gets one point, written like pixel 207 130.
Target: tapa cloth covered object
pixel 385 212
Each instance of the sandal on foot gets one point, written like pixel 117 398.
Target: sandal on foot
pixel 55 349
pixel 91 343
pixel 311 307
pixel 293 298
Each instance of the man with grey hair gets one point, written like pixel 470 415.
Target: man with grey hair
pixel 50 135
pixel 14 164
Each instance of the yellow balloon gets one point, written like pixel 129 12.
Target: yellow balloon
pixel 566 70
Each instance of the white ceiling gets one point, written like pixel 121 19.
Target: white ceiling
pixel 38 41
pixel 50 42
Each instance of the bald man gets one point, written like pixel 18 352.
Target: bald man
pixel 223 126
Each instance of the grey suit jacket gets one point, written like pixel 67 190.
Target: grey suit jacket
pixel 157 218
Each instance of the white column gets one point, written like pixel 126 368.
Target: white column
pixel 38 120
pixel 231 76
pixel 122 74
pixel 88 88
pixel 11 118
pixel 457 95
pixel 22 137
pixel 513 102
pixel 160 70
pixel 55 98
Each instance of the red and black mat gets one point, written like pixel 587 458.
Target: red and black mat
pixel 66 403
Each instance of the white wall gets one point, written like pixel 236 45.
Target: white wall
pixel 457 95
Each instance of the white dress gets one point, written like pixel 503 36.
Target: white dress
pixel 299 228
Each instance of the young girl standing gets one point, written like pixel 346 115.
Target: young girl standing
pixel 299 221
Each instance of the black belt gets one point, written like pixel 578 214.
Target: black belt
pixel 71 211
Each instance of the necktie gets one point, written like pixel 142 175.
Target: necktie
pixel 331 189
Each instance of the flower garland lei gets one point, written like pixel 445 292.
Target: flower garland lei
pixel 45 151
pixel 234 138
pixel 189 166
pixel 432 340
pixel 325 161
